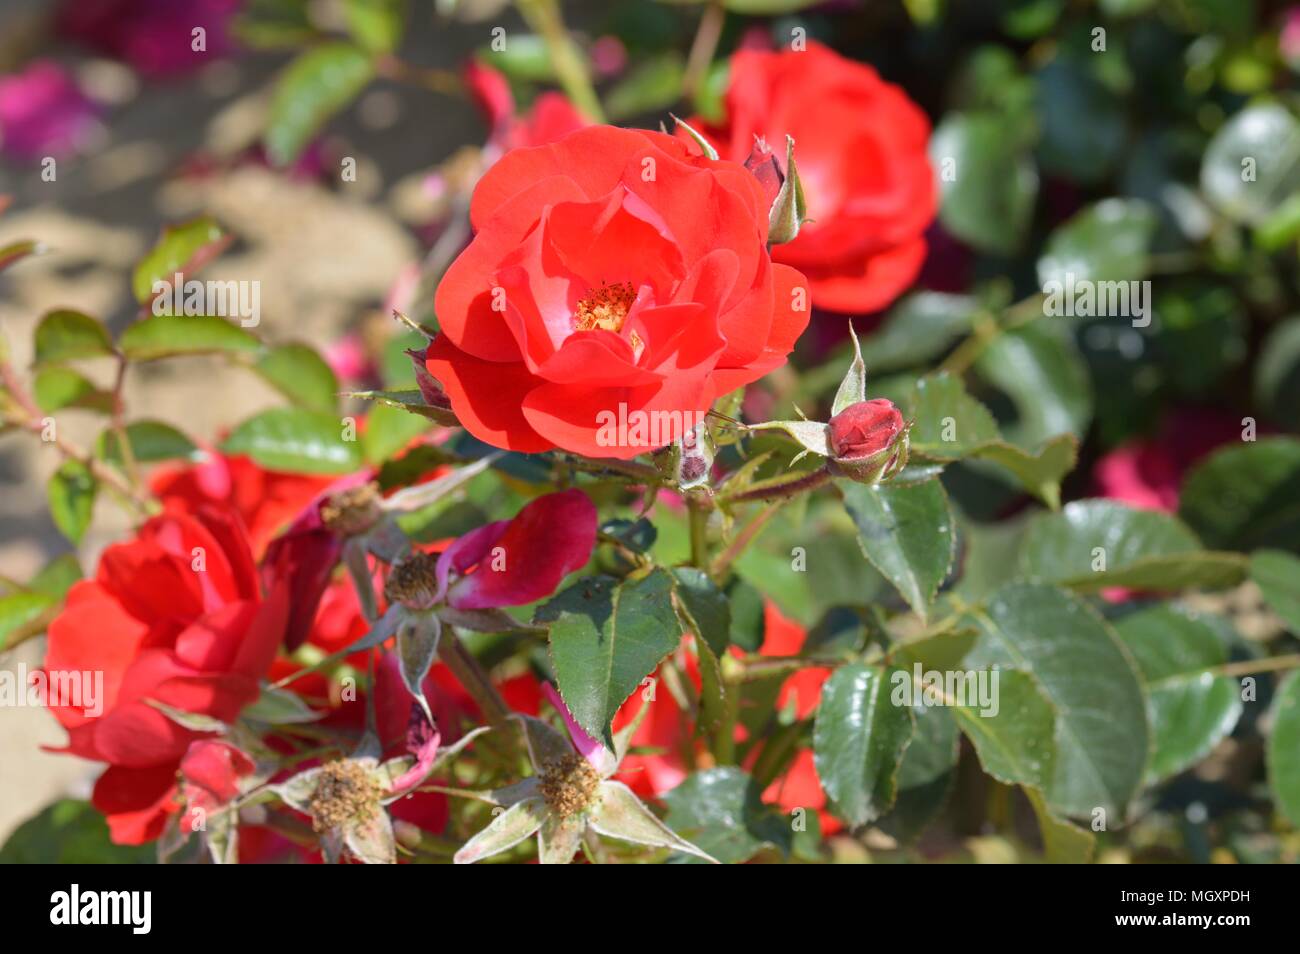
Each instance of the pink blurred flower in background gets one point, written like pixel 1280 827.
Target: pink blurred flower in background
pixel 44 113
pixel 156 37
pixel 1149 473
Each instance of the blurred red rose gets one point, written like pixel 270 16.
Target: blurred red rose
pixel 860 145
pixel 612 273
pixel 175 616
pixel 551 116
pixel 266 500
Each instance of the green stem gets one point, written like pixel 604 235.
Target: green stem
pixel 699 528
pixel 781 491
pixel 545 18
pixel 470 674
pixel 704 46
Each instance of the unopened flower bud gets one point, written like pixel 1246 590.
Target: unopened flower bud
pixel 867 439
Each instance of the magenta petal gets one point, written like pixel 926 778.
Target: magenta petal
pixel 303 561
pixel 526 559
pixel 422 740
pixel 600 758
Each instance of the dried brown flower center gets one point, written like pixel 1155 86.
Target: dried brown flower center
pixel 605 307
pixel 352 511
pixel 568 784
pixel 414 581
pixel 345 792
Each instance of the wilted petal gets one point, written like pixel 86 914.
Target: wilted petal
pixel 371 840
pixel 508 829
pixel 620 814
pixel 545 745
pixel 558 839
pixel 422 739
pixel 601 758
pixel 524 559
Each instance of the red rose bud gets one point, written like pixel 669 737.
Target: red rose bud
pixel 762 163
pixel 867 439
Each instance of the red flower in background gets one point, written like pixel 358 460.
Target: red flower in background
pixel 860 145
pixel 550 118
pixel 611 271
pixel 266 500
pixel 174 616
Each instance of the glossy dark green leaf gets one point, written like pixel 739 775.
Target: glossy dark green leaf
pixel 706 606
pixel 1082 122
pixel 1016 744
pixel 858 741
pixel 720 810
pixel 410 400
pixel 1277 372
pixel 295 439
pixel 1039 367
pixel 1093 544
pixel 1191 709
pixel 906 532
pixel 605 638
pixel 1105 242
pixel 988 184
pixel 1246 496
pixel 315 86
pixel 1102 735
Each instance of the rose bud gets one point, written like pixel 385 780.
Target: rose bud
pixel 763 164
pixel 868 440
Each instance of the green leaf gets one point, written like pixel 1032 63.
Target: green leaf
pixel 651 86
pixel 1102 735
pixel 300 374
pixel 69 832
pixel 57 387
pixel 606 637
pixel 162 336
pixel 1082 122
pixel 917 329
pixel 23 614
pixel 1042 372
pixel 1093 544
pixel 790 208
pixel 388 430
pixel 1190 708
pixel 1283 753
pixel 294 439
pixel 859 739
pixel 721 811
pixel 150 441
pixel 1105 242
pixel 932 753
pixel 988 183
pixel 181 248
pixel 68 335
pixel 1253 163
pixel 853 388
pixel 707 610
pixel 376 25
pixel 57 576
pixel 1064 843
pixel 1246 496
pixel 71 494
pixel 1277 372
pixel 1017 743
pixel 316 85
pixel 1277 574
pixel 906 531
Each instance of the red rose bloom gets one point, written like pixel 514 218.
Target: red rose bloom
pixel 860 145
pixel 612 273
pixel 175 616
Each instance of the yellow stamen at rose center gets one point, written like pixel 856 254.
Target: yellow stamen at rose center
pixel 605 307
